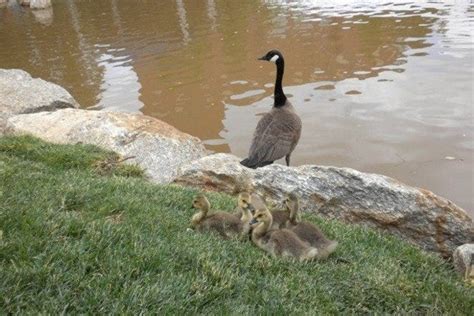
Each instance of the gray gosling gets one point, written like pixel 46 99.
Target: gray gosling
pixel 223 223
pixel 308 232
pixel 281 242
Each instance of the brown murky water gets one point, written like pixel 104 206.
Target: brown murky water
pixel 383 87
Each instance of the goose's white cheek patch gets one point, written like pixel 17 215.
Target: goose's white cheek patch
pixel 274 58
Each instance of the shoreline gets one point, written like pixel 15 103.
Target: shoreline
pixel 170 156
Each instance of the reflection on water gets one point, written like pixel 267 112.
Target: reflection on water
pixel 44 16
pixel 120 86
pixel 381 86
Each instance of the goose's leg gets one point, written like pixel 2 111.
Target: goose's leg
pixel 287 158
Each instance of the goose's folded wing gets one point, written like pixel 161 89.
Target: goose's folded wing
pixel 273 142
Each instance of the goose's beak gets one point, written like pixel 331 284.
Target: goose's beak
pixel 262 58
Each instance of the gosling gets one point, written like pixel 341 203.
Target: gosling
pixel 282 242
pixel 280 218
pixel 244 211
pixel 252 201
pixel 307 232
pixel 223 223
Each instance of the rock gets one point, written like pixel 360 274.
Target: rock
pixel 25 3
pixel 463 259
pixel 416 215
pixel 20 93
pixel 157 147
pixel 40 4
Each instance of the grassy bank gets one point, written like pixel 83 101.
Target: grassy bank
pixel 84 234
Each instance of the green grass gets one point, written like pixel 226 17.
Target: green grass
pixel 82 233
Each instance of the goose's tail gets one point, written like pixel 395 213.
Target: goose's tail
pixel 310 254
pixel 327 249
pixel 249 163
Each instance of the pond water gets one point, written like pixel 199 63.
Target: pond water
pixel 381 86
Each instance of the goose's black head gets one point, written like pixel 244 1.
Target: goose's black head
pixel 273 56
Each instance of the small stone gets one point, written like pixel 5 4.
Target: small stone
pixel 450 158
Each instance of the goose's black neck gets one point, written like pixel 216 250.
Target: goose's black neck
pixel 280 97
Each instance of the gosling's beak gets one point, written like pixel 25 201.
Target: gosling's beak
pixel 253 221
pixel 262 58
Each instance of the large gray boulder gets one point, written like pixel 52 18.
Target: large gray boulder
pixel 156 146
pixel 416 215
pixel 20 93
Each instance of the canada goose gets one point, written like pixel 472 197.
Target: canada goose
pixel 280 242
pixel 225 224
pixel 307 232
pixel 279 130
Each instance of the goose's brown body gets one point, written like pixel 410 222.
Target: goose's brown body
pixel 276 136
pixel 308 232
pixel 280 219
pixel 225 224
